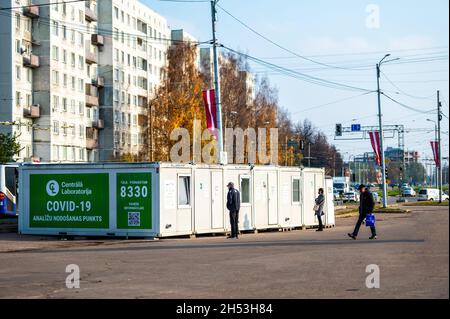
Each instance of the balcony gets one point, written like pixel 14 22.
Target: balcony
pixel 91 57
pixel 91 143
pixel 99 82
pixel 90 15
pixel 31 11
pixel 91 100
pixel 97 40
pixel 33 112
pixel 31 61
pixel 98 124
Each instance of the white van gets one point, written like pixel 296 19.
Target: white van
pixel 430 194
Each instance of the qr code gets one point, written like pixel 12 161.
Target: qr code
pixel 134 219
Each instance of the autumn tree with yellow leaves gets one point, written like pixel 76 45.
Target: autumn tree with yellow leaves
pixel 177 102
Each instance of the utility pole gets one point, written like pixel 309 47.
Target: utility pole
pixel 380 119
pixel 222 155
pixel 439 166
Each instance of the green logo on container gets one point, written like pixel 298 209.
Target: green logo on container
pixel 69 201
pixel 134 201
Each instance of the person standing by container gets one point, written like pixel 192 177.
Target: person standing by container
pixel 366 206
pixel 318 208
pixel 233 205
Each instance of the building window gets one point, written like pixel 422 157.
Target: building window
pixel 18 71
pixel 65 80
pixel 296 190
pixel 81 108
pixel 81 85
pixel 184 190
pixel 18 47
pixel 17 21
pixel 72 83
pixel 81 62
pixel 116 34
pixel 55 28
pixel 29 102
pixel 55 77
pixel 116 13
pixel 80 39
pixel 55 103
pixel 81 131
pixel 28 25
pixel 245 190
pixel 64 127
pixel 18 98
pixel 64 104
pixel 64 32
pixel 55 53
pixel 55 127
pixel 64 56
pixel 72 59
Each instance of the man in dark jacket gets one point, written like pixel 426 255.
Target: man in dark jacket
pixel 234 205
pixel 366 206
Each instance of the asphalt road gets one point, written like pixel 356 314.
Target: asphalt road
pixel 412 254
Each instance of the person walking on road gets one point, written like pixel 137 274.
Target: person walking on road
pixel 234 205
pixel 318 208
pixel 366 206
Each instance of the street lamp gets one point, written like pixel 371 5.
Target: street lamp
pixel 380 119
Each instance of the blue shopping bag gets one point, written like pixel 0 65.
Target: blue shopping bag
pixel 370 220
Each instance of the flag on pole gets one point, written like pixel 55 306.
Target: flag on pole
pixel 209 98
pixel 437 159
pixel 375 140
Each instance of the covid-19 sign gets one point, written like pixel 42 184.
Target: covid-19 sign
pixel 69 201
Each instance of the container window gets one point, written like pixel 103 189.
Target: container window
pixel 245 190
pixel 296 190
pixel 184 190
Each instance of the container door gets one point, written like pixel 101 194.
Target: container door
pixel 273 198
pixel 330 219
pixel 217 200
pixel 202 198
pixel 308 198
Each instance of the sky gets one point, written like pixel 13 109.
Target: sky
pixel 348 38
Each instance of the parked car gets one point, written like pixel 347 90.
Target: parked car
pixel 431 194
pixel 408 192
pixel 404 185
pixel 336 195
pixel 351 197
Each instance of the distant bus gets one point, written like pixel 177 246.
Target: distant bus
pixel 9 179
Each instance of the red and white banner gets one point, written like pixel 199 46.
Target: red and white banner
pixel 375 140
pixel 209 98
pixel 437 158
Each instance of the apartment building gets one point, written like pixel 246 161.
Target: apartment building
pixel 132 62
pixel 80 77
pixel 50 89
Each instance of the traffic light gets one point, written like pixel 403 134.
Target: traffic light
pixel 338 129
pixel 302 145
pixel 386 173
